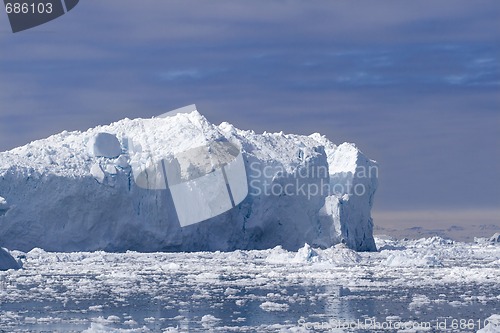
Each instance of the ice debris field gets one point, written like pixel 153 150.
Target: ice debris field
pixel 426 285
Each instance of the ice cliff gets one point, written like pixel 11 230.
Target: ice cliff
pixel 144 184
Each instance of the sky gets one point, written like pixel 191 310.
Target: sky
pixel 415 84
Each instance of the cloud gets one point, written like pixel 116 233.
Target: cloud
pixel 188 74
pixel 180 74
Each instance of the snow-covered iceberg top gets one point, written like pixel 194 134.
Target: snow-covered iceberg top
pixel 180 183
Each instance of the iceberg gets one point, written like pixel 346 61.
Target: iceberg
pixel 495 238
pixel 7 261
pixel 180 183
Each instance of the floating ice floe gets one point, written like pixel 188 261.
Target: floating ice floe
pixel 273 306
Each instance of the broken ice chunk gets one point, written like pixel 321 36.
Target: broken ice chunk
pixel 104 145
